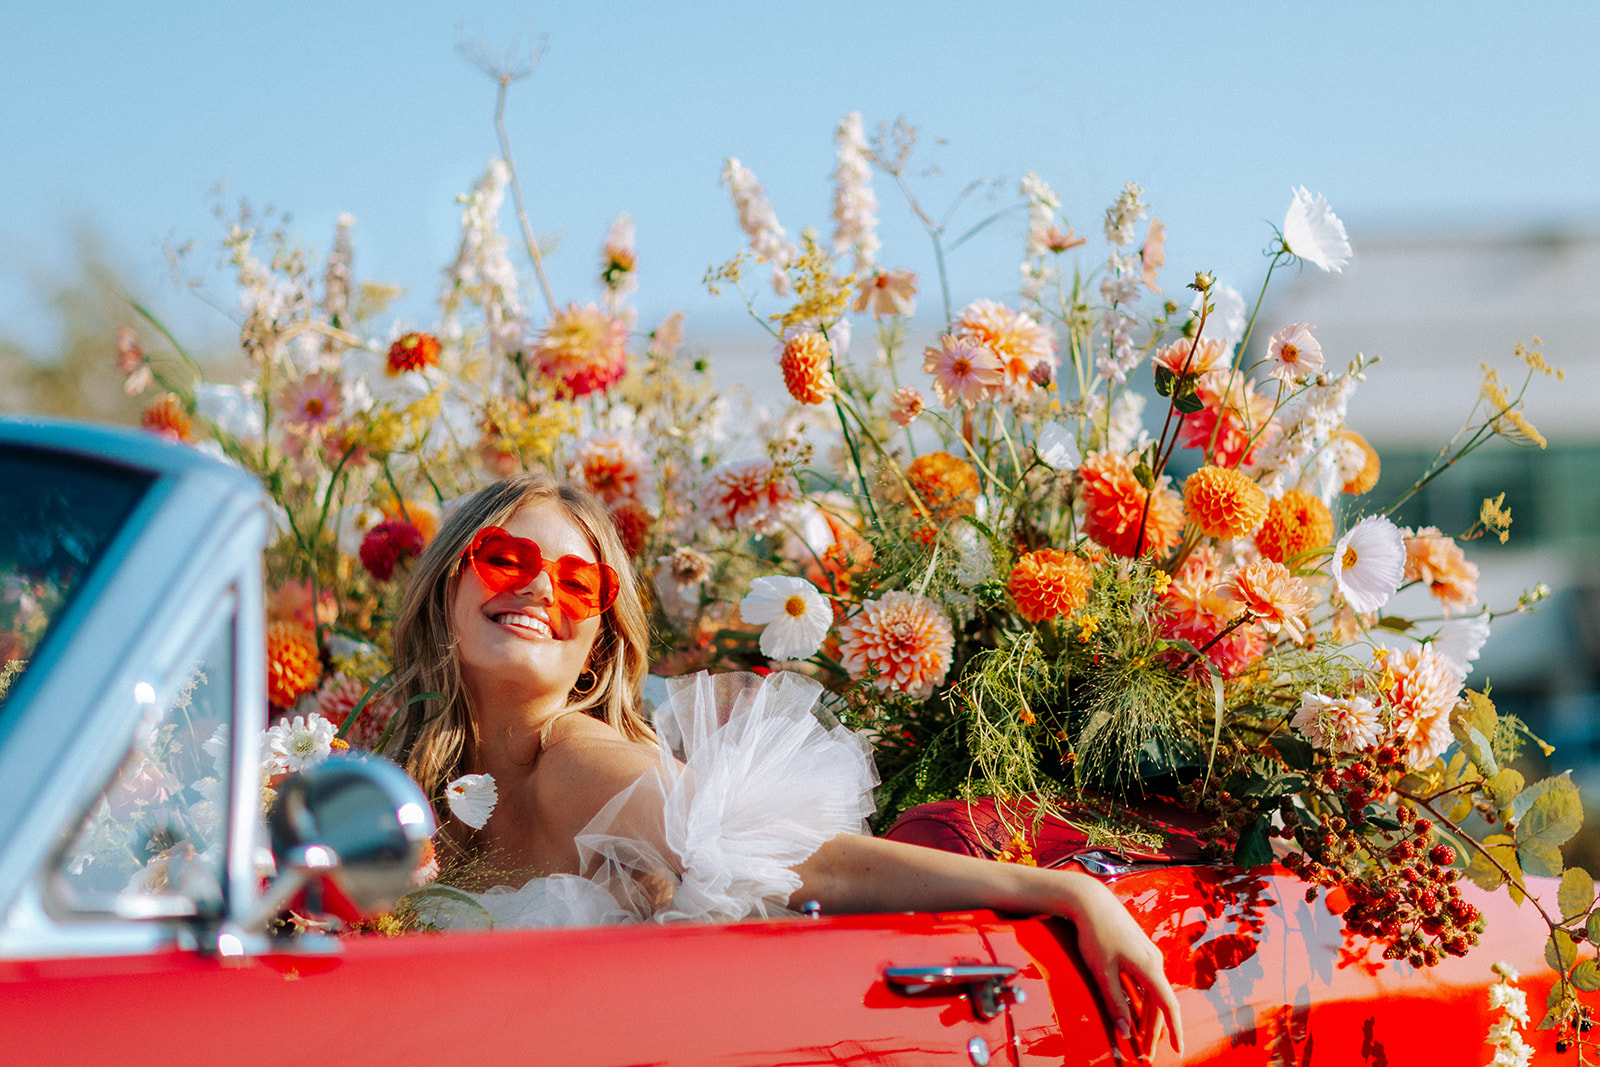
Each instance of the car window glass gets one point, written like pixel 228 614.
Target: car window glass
pixel 57 515
pixel 154 842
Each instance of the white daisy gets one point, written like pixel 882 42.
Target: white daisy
pixel 1058 447
pixel 1314 233
pixel 1460 640
pixel 795 615
pixel 472 798
pixel 1369 563
pixel 298 742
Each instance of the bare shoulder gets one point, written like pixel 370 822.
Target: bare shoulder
pixel 586 762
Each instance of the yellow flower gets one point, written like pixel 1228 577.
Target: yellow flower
pixel 1495 517
pixel 1088 626
pixel 820 298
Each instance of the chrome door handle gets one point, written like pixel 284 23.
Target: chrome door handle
pixel 988 984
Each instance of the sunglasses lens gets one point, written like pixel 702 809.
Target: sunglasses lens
pixel 502 561
pixel 583 589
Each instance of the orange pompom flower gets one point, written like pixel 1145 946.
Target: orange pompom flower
pixel 1224 503
pixel 1367 476
pixel 167 418
pixel 1049 583
pixel 807 365
pixel 1114 506
pixel 293 664
pixel 413 351
pixel 946 485
pixel 1296 523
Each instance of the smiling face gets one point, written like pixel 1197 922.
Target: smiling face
pixel 517 645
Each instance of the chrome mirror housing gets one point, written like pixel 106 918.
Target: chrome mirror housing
pixel 355 827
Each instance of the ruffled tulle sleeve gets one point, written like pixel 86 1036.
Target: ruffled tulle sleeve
pixel 754 776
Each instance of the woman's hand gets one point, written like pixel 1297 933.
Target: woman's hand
pixel 1127 966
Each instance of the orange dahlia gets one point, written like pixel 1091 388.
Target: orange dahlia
pixel 753 496
pixel 1367 476
pixel 1114 506
pixel 1273 597
pixel 902 637
pixel 583 348
pixel 167 418
pixel 1296 523
pixel 413 351
pixel 946 485
pixel 419 513
pixel 1438 562
pixel 1224 503
pixel 1422 689
pixel 807 365
pixel 293 664
pixel 1232 423
pixel 1015 337
pixel 1049 583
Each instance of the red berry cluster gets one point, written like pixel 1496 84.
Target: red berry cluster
pixel 1400 884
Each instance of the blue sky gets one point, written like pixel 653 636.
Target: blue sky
pixel 123 118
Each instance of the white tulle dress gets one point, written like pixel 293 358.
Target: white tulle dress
pixel 753 777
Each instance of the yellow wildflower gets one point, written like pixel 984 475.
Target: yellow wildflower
pixel 1496 517
pixel 820 298
pixel 1159 581
pixel 1088 626
pixel 1536 361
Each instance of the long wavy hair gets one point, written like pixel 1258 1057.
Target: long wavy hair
pixel 435 732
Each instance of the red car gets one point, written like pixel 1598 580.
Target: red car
pixel 133 918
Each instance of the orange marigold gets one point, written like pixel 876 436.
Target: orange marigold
pixel 413 351
pixel 1224 503
pixel 1296 523
pixel 1049 583
pixel 1114 505
pixel 167 418
pixel 293 664
pixel 947 485
pixel 807 365
pixel 1367 476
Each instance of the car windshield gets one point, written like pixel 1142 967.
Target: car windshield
pixel 57 516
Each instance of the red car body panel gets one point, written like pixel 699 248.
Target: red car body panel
pixel 1263 978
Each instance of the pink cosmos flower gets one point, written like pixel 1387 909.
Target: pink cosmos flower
pixel 311 403
pixel 964 371
pixel 906 405
pixel 1293 353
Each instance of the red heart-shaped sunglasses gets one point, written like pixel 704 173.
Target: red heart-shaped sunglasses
pixel 503 561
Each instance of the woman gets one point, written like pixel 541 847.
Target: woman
pixel 524 615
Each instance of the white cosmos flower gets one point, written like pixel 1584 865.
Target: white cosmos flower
pixel 795 615
pixel 298 742
pixel 1460 640
pixel 1293 353
pixel 1369 562
pixel 1314 233
pixel 472 798
pixel 1058 447
pixel 1228 317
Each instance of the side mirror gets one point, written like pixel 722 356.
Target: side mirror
pixel 350 830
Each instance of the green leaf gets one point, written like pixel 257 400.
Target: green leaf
pixel 1476 711
pixel 1398 623
pixel 1576 895
pixel 1164 378
pixel 1477 748
pixel 1188 403
pixel 1504 787
pixel 1296 751
pixel 1591 927
pixel 1540 860
pixel 1382 822
pixel 1586 976
pixel 1483 873
pixel 1548 813
pixel 1144 475
pixel 1560 952
pixel 1254 847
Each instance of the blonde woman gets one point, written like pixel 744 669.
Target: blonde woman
pixel 743 800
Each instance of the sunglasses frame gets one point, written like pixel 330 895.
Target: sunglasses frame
pixel 568 601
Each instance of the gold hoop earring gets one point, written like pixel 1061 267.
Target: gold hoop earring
pixel 585 690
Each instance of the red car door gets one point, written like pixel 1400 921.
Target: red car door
pixel 796 992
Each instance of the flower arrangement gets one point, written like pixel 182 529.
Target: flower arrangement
pixel 1022 585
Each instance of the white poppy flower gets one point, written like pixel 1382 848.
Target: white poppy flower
pixel 472 798
pixel 1058 447
pixel 298 742
pixel 1314 233
pixel 1369 563
pixel 795 615
pixel 1460 640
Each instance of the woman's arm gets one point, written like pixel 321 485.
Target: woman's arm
pixel 854 873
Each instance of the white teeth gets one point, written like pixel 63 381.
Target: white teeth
pixel 526 622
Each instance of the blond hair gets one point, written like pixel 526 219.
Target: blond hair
pixel 435 732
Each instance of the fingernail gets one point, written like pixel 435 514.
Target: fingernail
pixel 1124 1031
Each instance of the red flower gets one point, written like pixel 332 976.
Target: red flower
pixel 386 544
